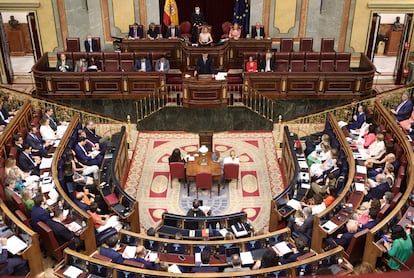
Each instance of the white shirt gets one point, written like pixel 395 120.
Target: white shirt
pixel 143 66
pixel 228 160
pixel 161 65
pixel 47 132
pixel 267 68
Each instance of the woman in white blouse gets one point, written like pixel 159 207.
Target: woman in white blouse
pixel 47 133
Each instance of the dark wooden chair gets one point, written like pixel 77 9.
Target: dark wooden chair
pixel 49 241
pixel 306 44
pixel 286 45
pixel 111 61
pixel 225 28
pixel 22 217
pixel 127 61
pixel 327 45
pixel 73 44
pixel 185 29
pixel 356 247
pixel 18 203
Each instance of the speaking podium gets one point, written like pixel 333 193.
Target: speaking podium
pixel 204 91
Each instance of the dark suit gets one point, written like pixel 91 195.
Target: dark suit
pixel 36 143
pixel 94 46
pixel 344 240
pixel 138 65
pixel 112 254
pixel 62 234
pixel 205 268
pixel 28 165
pixel 355 124
pixel 292 257
pixel 377 192
pixel 177 32
pixel 255 34
pixel 206 67
pixel 4 116
pixel 147 264
pixel 86 159
pixel 92 136
pixel 370 224
pixel 262 66
pixel 158 65
pixel 68 66
pixel 405 110
pixel 39 214
pixel 53 122
pixel 10 266
pixel 196 20
pixel 139 33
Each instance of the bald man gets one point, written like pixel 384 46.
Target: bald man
pixel 141 257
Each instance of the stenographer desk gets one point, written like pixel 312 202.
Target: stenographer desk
pixel 195 167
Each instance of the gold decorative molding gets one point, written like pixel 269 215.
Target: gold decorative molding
pixel 344 25
pixel 106 24
pixel 63 21
pixel 285 15
pixel 21 4
pixel 391 5
pixel 266 16
pixel 303 18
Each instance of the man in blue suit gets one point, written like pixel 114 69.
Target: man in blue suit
pixel 141 258
pixel 135 32
pixel 92 158
pixel 142 65
pixel 403 110
pixel 372 221
pixel 204 266
pixel 378 191
pixel 62 234
pixel 358 119
pixel 111 250
pixel 14 266
pixel 39 146
pixel 27 162
pixel 38 212
pixel 258 31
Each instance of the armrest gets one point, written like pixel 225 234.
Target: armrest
pixel 134 263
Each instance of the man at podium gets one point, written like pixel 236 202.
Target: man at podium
pixel 204 65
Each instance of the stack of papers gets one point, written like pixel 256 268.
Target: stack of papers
pixel 246 257
pixel 74 227
pixel 361 169
pixel 281 248
pixel 72 272
pixel 359 186
pixel 15 245
pixel 294 204
pixel 129 252
pixel 329 226
pixel 46 163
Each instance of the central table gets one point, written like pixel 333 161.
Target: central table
pixel 195 167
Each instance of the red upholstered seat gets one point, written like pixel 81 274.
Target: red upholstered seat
pixel 185 28
pixel 356 247
pixel 327 65
pixel 127 61
pixel 297 65
pixel 111 61
pixel 177 170
pixel 327 45
pixel 312 65
pixel 231 171
pixel 111 199
pixel 286 45
pixel 225 28
pixel 73 44
pixel 204 180
pixel 49 241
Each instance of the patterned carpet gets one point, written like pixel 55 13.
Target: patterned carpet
pixel 259 171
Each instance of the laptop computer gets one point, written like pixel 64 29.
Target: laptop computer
pixel 230 251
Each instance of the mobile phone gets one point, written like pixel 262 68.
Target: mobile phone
pixel 385 238
pixel 181 257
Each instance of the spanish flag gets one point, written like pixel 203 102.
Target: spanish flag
pixel 170 13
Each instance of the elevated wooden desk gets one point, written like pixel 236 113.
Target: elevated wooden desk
pixel 194 167
pixel 205 92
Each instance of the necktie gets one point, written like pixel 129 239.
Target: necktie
pixel 35 137
pixel 31 159
pixel 399 106
pixel 90 45
pixel 83 150
pixel 1 115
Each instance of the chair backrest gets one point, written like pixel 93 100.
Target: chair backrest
pixel 225 28
pixel 383 211
pixel 356 247
pixel 111 61
pixel 327 45
pixel 231 171
pixel 48 238
pixel 185 27
pixel 297 65
pixel 22 217
pixel 306 44
pixel 73 44
pixel 177 170
pixel 204 180
pixel 327 66
pixel 286 45
pixel 18 204
pixel 127 61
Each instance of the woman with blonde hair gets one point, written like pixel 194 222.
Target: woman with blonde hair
pixel 235 32
pixel 12 170
pixel 204 38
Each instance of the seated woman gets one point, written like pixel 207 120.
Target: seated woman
pixel 235 32
pixel 314 156
pixel 204 38
pixel 251 65
pixel 152 32
pixel 176 156
pixel 376 150
pixel 94 64
pixel 400 248
pixel 102 222
pixel 406 124
pixel 28 201
pixel 327 162
pixel 84 170
pixel 47 133
pixel 358 119
pixel 83 195
pixel 29 181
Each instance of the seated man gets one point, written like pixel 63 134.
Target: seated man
pixel 27 162
pixel 85 157
pixel 54 123
pixel 204 266
pixel 18 143
pixel 173 31
pixel 135 32
pixel 4 115
pixel 14 266
pixel 110 250
pixel 403 110
pixel 258 32
pixel 378 191
pixel 267 64
pixel 141 257
pixel 61 232
pixel 302 225
pixel 345 238
pixel 91 44
pixel 39 146
pixel 64 65
pixel 195 211
pixel 232 158
pixel 143 65
pixel 39 212
pixel 162 64
pixel 236 263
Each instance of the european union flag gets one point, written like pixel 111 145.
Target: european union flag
pixel 241 15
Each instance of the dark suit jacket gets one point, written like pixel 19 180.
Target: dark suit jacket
pixel 94 46
pixel 405 111
pixel 377 192
pixel 92 136
pixel 177 32
pixel 254 32
pixel 26 165
pixel 370 224
pixel 53 123
pixel 306 228
pixel 11 265
pixel 205 68
pixel 147 65
pixel 358 123
pixel 62 234
pixel 85 159
pixel 5 114
pixel 140 32
pixel 39 214
pixel 68 65
pixel 36 144
pixel 111 253
pixel 166 65
pixel 292 257
pixel 205 268
pixel 263 64
pixel 147 264
pixel 345 239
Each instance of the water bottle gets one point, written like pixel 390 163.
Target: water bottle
pixel 83 224
pixel 218 226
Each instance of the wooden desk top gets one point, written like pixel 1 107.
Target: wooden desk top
pixel 194 167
